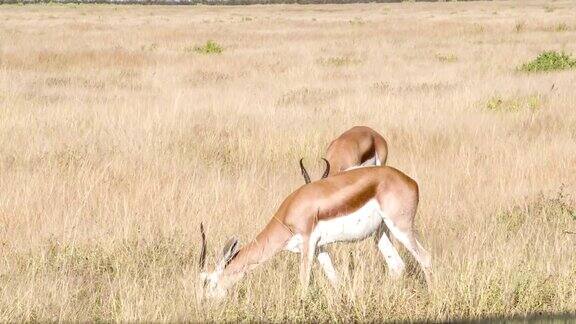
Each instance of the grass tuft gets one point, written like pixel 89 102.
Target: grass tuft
pixel 520 26
pixel 447 58
pixel 561 27
pixel 339 61
pixel 516 103
pixel 210 47
pixel 357 21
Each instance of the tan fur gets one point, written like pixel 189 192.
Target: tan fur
pixel 354 147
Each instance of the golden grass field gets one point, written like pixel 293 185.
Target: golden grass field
pixel 117 139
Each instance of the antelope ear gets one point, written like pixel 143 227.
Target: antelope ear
pixel 230 250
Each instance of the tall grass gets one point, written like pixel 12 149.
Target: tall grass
pixel 115 144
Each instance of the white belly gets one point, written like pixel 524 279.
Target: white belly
pixel 352 227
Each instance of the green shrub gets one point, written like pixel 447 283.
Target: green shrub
pixel 549 61
pixel 209 48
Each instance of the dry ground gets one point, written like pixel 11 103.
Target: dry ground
pixel 117 139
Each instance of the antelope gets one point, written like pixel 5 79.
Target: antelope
pixel 347 207
pixel 358 146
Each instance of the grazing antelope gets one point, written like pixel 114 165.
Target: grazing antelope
pixel 358 146
pixel 346 207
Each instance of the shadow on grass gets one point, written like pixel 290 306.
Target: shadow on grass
pixel 538 317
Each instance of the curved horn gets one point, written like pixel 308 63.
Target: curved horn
pixel 304 172
pixel 327 170
pixel 202 259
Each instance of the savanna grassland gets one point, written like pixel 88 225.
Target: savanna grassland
pixel 123 127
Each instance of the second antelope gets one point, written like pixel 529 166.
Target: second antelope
pixel 346 207
pixel 358 146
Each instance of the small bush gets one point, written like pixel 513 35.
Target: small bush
pixel 209 48
pixel 549 61
pixel 548 208
pixel 560 206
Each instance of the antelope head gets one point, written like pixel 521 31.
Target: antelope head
pixel 305 173
pixel 214 284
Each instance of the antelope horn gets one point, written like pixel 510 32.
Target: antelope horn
pixel 327 170
pixel 304 172
pixel 202 259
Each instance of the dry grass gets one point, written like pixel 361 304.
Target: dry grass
pixel 117 139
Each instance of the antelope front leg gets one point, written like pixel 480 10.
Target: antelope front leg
pixel 304 265
pixel 326 263
pixel 395 264
pixel 306 258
